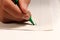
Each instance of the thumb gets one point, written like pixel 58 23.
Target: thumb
pixel 24 5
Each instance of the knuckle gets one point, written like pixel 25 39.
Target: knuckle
pixel 5 4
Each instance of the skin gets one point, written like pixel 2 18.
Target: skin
pixel 10 12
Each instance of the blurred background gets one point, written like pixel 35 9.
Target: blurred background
pixel 46 13
pixel 42 12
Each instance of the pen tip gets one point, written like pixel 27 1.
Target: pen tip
pixel 31 20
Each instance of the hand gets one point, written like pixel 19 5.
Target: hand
pixel 11 12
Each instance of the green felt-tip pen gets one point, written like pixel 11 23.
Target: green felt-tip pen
pixel 16 2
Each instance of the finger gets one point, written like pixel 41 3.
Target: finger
pixel 10 19
pixel 13 9
pixel 7 17
pixel 27 15
pixel 24 5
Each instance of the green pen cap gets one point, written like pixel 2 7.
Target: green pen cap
pixel 16 2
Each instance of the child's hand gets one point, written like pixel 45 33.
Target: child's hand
pixel 9 11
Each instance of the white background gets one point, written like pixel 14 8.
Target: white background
pixel 48 6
